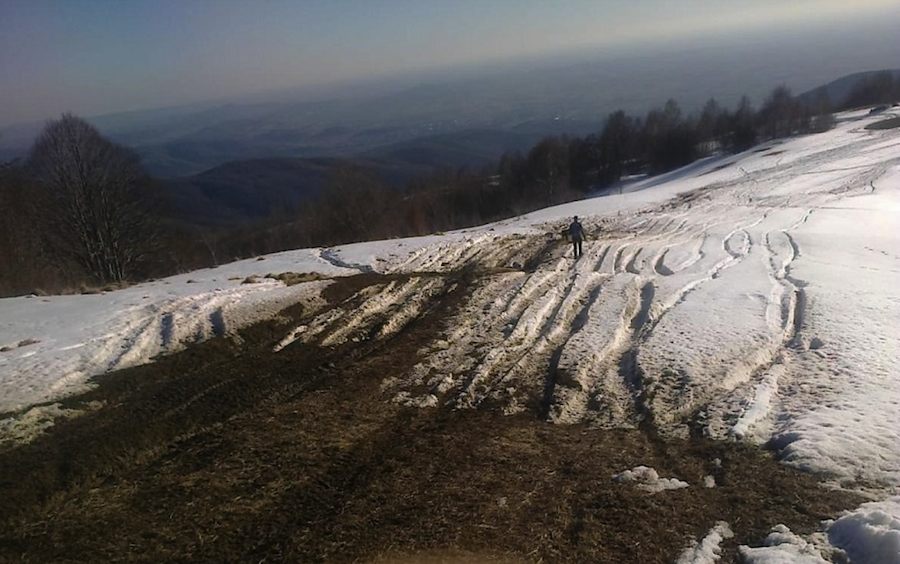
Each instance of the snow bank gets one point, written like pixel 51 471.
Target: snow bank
pixel 647 479
pixel 871 533
pixel 782 547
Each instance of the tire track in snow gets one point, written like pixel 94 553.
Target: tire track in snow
pixel 586 380
pixel 746 394
pixel 167 328
pixel 659 264
pixel 540 320
pixel 535 330
pixel 733 257
pixel 445 363
pixel 606 387
pixel 655 402
pixel 532 318
pixel 520 340
pixel 380 311
pixel 531 370
pixel 630 263
pixel 788 299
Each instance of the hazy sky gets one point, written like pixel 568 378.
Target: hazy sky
pixel 101 56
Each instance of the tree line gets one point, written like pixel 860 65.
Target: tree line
pixel 80 213
pixel 357 206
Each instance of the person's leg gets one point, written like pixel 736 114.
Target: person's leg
pixel 575 248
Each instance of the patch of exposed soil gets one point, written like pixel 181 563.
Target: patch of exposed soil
pixel 294 278
pixel 228 452
pixel 885 124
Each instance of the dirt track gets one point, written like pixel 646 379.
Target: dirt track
pixel 227 452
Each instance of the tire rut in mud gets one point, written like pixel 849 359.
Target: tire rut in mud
pixel 629 368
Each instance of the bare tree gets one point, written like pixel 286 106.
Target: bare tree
pixel 91 199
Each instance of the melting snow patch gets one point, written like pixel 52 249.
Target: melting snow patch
pixel 648 479
pixel 84 335
pixel 709 549
pixel 709 481
pixel 760 405
pixel 780 547
pixel 405 398
pixel 291 337
pixel 32 423
pixel 871 533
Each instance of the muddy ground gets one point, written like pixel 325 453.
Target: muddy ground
pixel 228 452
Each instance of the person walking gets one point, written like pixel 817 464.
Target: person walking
pixel 576 234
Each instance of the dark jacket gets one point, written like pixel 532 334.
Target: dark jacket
pixel 576 231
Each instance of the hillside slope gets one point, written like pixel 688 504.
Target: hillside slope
pixel 744 301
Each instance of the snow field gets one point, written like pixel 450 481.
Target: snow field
pixel 82 335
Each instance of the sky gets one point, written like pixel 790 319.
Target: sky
pixel 100 56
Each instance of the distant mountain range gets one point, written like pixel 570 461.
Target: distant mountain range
pixel 226 162
pixel 517 101
pixel 246 190
pixel 252 188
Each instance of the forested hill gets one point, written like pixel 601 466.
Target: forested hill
pixel 254 189
pixel 858 89
pixel 251 189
